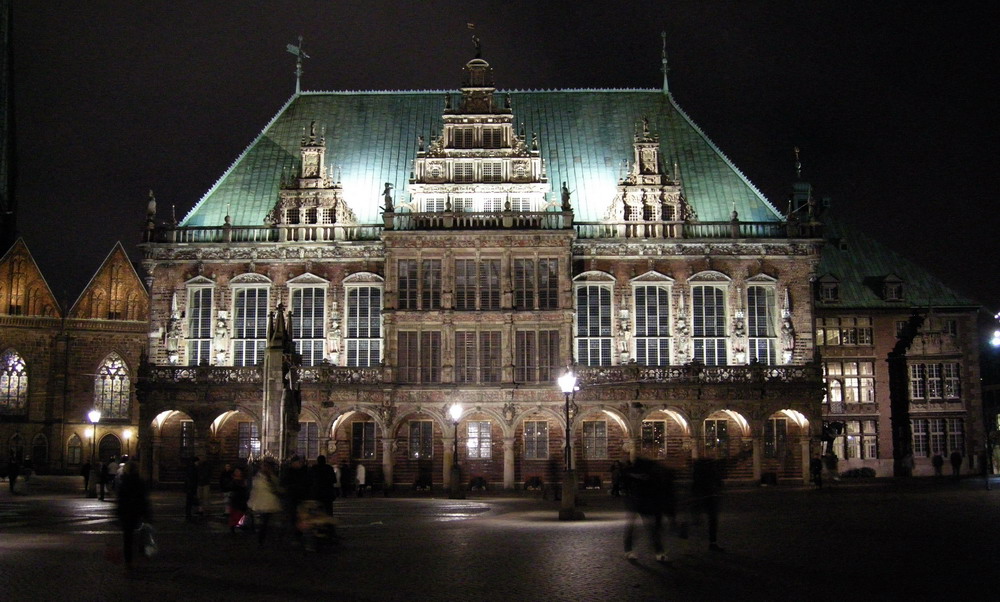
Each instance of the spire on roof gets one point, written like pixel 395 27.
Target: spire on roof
pixel 798 165
pixel 663 59
pixel 299 55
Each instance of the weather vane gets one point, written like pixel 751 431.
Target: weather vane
pixel 299 55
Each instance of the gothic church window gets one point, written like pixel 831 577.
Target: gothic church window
pixel 74 450
pixel 13 384
pixel 113 388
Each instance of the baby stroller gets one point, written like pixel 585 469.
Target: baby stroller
pixel 318 528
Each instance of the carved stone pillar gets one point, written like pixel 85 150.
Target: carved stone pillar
pixel 508 463
pixel 631 447
pixel 387 460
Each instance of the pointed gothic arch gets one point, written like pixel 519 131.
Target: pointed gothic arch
pixel 113 387
pixel 13 383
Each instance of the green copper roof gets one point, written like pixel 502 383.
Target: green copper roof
pixel 861 264
pixel 584 136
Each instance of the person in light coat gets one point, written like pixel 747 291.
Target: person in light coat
pixel 264 499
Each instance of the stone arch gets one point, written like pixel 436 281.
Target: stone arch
pixel 665 434
pixel 235 436
pixel 598 446
pixel 420 467
pixel 75 453
pixel 173 444
pixel 109 446
pixel 726 435
pixel 782 451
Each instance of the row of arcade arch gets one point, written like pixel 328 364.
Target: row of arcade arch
pixel 496 449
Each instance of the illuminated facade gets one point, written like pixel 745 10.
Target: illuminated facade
pixel 55 367
pixel 427 249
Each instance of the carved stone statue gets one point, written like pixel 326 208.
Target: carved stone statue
pixel 566 206
pixel 387 198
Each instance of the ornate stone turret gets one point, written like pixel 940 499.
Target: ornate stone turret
pixel 478 164
pixel 650 200
pixel 312 196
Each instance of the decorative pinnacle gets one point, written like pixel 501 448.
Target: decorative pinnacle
pixel 798 164
pixel 665 68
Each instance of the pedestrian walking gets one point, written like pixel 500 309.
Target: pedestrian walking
pixel 133 508
pixel 956 464
pixel 102 480
pixel 85 473
pixel 264 499
pixel 650 495
pixel 237 497
pixel 816 471
pixel 324 482
pixel 225 485
pixel 938 463
pixel 204 485
pixel 706 486
pixel 297 488
pixel 13 471
pixel 359 478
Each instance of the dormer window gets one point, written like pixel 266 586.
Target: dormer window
pixel 464 172
pixel 829 289
pixel 493 171
pixel 292 216
pixel 892 289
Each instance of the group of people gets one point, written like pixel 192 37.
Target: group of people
pixel 109 475
pixel 650 495
pixel 16 467
pixel 255 493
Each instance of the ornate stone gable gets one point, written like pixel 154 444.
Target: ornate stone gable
pixel 114 293
pixel 23 290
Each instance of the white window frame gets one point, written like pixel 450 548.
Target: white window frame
pixel 364 343
pixel 711 347
pixel 762 341
pixel 593 333
pixel 536 439
pixel 654 341
pixel 257 344
pixel 311 348
pixel 199 337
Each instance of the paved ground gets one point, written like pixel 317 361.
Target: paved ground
pixel 920 539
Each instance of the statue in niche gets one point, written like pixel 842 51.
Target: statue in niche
pixel 566 206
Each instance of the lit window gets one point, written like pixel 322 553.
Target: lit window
pixel 186 439
pixel 421 439
pixel 717 435
pixel 536 440
pixel 652 325
pixel 249 325
pixel 363 440
pixel 364 325
pixel 775 437
pixel 113 388
pixel 595 439
pixel 653 438
pixel 844 331
pixel 13 384
pixel 760 325
pixel 593 325
pixel 309 324
pixel 199 319
pixel 248 440
pixel 709 311
pixel 479 441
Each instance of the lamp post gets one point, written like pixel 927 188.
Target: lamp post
pixel 456 492
pixel 568 510
pixel 94 416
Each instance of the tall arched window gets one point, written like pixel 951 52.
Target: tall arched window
pixel 40 451
pixel 13 384
pixel 113 388
pixel 74 450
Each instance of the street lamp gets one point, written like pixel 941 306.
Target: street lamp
pixel 455 411
pixel 94 416
pixel 568 510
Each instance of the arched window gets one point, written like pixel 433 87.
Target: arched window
pixel 13 384
pixel 113 388
pixel 74 450
pixel 39 451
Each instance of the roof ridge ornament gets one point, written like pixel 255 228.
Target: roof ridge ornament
pixel 299 55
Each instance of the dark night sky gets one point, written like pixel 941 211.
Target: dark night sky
pixel 888 101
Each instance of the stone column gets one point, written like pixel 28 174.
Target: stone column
pixel 156 448
pixel 387 460
pixel 631 446
pixel 508 463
